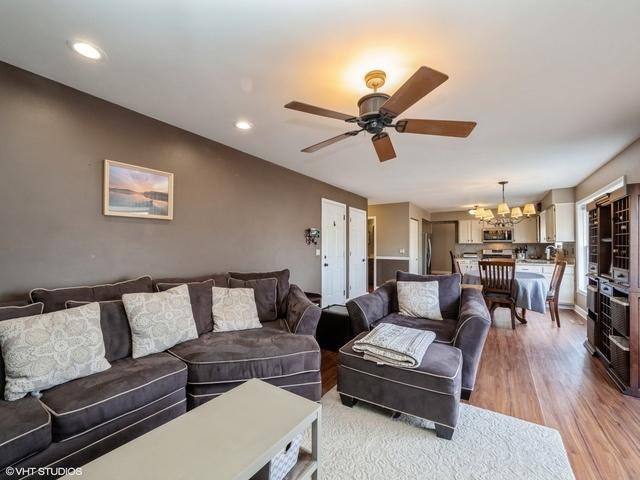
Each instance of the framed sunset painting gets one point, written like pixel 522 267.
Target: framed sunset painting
pixel 132 191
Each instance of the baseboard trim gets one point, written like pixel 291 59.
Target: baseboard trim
pixel 580 311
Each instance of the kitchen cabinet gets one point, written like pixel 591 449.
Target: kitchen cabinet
pixel 470 231
pixel 542 227
pixel 559 223
pixel 526 231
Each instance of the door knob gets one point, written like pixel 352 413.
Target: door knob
pixel 326 264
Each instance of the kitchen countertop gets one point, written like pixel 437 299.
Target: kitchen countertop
pixel 528 261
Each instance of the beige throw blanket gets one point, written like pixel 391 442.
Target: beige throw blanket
pixel 395 345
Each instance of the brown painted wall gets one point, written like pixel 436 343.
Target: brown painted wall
pixel 392 221
pixel 232 210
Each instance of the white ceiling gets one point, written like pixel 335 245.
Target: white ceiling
pixel 554 85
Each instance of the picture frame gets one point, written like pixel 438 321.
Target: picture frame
pixel 138 192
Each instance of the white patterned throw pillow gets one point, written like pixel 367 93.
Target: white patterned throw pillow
pixel 419 299
pixel 234 309
pixel 159 320
pixel 46 350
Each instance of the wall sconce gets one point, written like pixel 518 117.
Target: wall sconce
pixel 311 235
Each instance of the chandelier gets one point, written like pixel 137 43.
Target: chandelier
pixel 515 214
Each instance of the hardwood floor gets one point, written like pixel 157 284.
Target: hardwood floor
pixel 543 374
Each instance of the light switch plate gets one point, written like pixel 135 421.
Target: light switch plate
pixel 402 251
pixel 317 252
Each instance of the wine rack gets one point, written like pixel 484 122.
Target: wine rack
pixel 613 290
pixel 621 240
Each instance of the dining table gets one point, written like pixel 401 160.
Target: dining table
pixel 530 291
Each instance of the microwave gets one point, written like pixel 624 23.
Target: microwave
pixel 497 235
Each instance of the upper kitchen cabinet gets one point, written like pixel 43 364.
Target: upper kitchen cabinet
pixel 469 231
pixel 526 231
pixel 559 223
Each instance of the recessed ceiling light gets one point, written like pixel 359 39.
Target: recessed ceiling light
pixel 85 49
pixel 243 125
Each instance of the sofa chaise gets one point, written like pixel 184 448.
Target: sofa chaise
pixel 73 423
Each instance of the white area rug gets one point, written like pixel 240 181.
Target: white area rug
pixel 364 442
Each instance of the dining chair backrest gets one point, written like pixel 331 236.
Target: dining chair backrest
pixel 556 278
pixel 455 266
pixel 497 276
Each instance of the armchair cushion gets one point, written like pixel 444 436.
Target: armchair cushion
pixel 302 315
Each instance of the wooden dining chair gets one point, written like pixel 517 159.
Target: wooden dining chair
pixel 554 291
pixel 498 279
pixel 455 266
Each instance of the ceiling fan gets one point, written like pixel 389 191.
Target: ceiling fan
pixel 378 111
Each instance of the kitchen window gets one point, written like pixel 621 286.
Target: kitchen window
pixel 582 233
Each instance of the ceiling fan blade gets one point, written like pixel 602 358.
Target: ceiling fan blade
pixel 422 82
pixel 384 147
pixel 323 112
pixel 330 141
pixel 447 128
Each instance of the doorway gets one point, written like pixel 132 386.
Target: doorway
pixel 334 240
pixel 443 240
pixel 414 246
pixel 357 252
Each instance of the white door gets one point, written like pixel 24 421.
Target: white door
pixel 414 246
pixel 357 252
pixel 334 239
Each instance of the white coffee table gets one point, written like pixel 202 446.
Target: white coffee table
pixel 230 437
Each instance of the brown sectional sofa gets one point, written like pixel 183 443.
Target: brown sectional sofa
pixel 78 421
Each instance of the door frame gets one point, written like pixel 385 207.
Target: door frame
pixel 323 202
pixel 419 227
pixel 375 252
pixel 366 270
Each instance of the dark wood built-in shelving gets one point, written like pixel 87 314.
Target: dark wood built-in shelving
pixel 613 291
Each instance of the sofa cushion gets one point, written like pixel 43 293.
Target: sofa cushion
pixel 46 350
pixel 200 296
pixel 445 330
pixel 25 428
pixel 283 285
pixel 449 287
pixel 234 309
pixel 16 310
pixel 115 328
pixel 55 299
pixel 438 372
pixel 219 279
pixel 265 292
pixel 81 405
pixel 159 320
pixel 267 352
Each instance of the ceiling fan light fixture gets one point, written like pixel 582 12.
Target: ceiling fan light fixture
pixel 375 79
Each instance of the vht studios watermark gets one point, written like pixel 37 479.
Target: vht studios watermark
pixel 20 472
